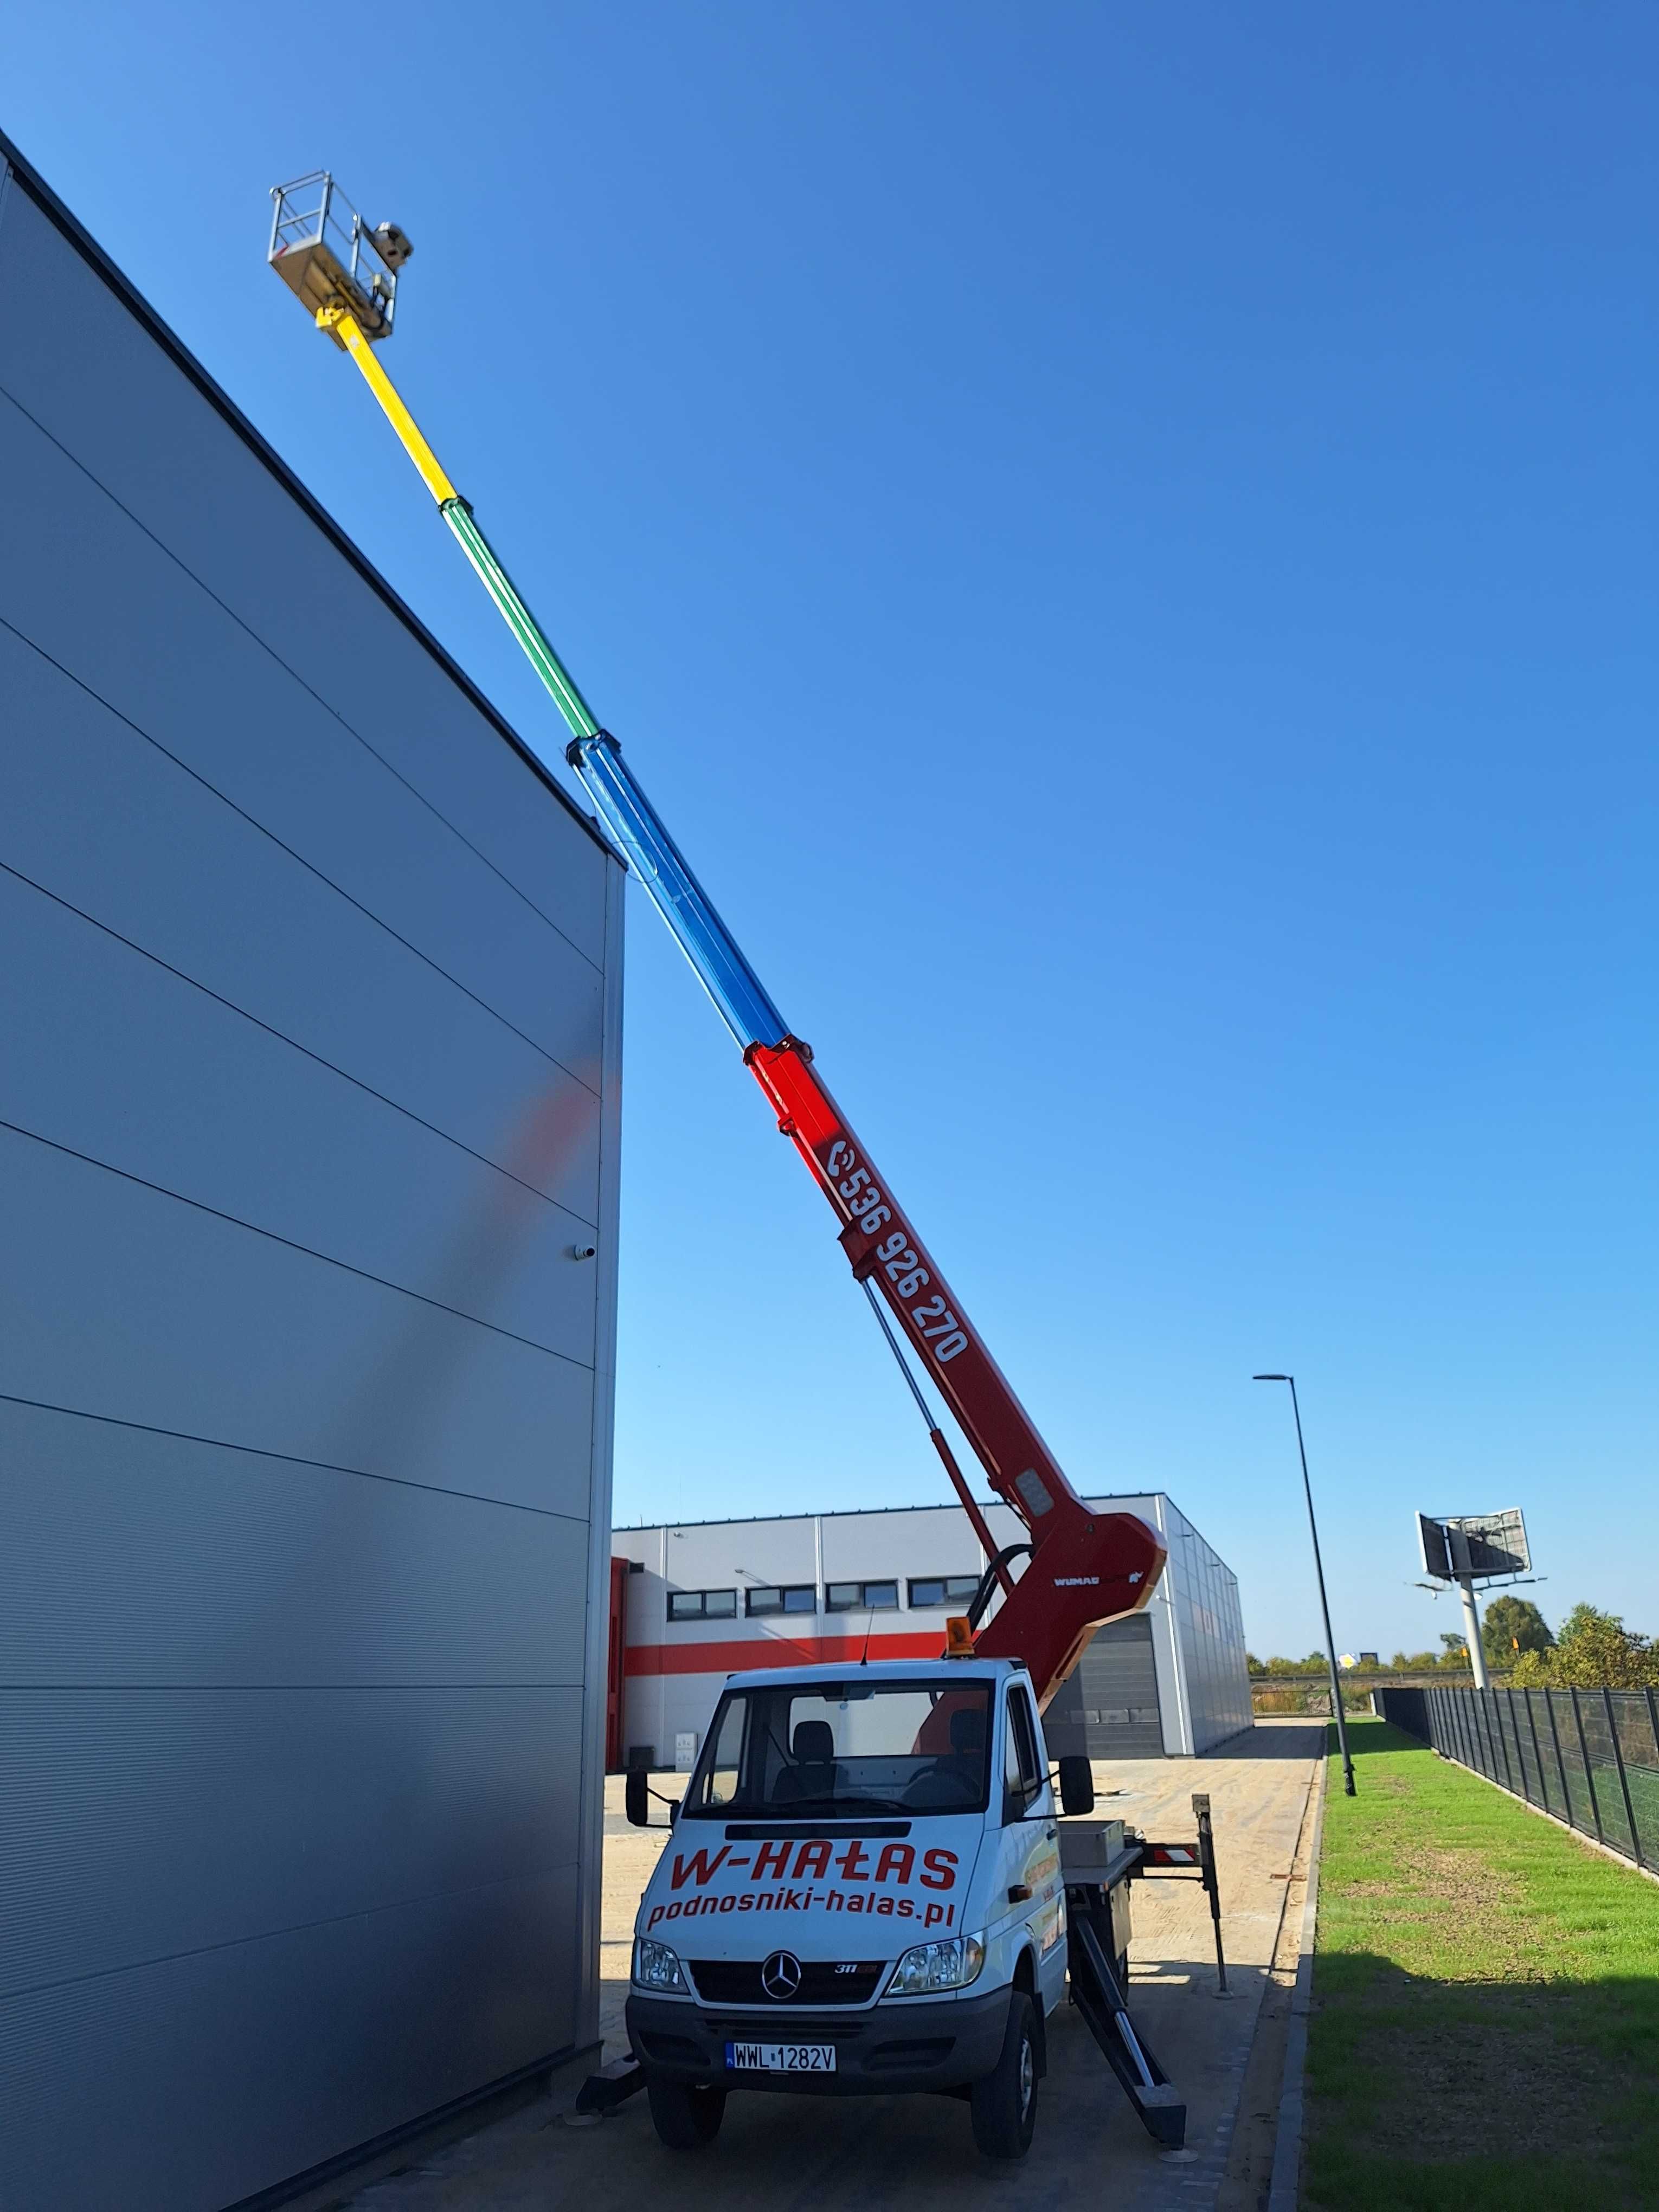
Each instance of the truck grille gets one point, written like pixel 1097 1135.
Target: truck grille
pixel 822 1982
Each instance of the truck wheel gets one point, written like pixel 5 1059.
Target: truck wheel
pixel 684 2118
pixel 1004 2104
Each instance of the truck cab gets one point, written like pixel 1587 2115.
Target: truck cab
pixel 862 1894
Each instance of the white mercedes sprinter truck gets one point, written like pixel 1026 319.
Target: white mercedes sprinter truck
pixel 862 1894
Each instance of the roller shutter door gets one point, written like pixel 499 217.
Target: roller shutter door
pixel 1110 1708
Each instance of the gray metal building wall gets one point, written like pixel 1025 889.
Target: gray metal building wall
pixel 1208 1630
pixel 310 990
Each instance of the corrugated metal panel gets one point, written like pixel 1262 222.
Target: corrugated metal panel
pixel 164 655
pixel 196 2081
pixel 135 1557
pixel 332 1170
pixel 313 997
pixel 109 824
pixel 117 1300
pixel 1208 1630
pixel 144 1823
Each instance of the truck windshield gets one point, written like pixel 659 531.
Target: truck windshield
pixel 814 1751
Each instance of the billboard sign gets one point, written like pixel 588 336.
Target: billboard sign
pixel 1437 1553
pixel 1484 1547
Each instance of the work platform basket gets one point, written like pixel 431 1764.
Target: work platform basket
pixel 324 251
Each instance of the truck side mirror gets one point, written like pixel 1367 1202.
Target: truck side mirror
pixel 1077 1784
pixel 636 1798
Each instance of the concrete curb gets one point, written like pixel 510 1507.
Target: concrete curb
pixel 1286 2186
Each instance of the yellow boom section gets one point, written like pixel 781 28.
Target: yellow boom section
pixel 342 325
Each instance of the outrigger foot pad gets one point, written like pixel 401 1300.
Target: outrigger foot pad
pixel 1163 2111
pixel 603 2092
pixel 1101 1997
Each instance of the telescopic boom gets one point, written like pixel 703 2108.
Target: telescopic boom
pixel 1084 1568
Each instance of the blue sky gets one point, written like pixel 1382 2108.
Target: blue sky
pixel 1121 541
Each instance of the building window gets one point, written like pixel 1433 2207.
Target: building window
pixel 703 1605
pixel 943 1589
pixel 861 1597
pixel 793 1598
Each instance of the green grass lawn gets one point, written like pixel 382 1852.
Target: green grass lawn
pixel 1486 2033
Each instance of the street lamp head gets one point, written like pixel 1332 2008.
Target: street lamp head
pixel 1270 1378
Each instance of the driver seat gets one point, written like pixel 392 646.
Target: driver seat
pixel 815 1773
pixel 953 1779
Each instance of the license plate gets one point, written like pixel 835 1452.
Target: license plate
pixel 781 2058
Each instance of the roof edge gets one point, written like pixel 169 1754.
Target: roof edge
pixel 965 1670
pixel 29 180
pixel 862 1512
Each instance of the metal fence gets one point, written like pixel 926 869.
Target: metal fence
pixel 1590 1757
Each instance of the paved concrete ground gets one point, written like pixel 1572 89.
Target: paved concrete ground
pixel 781 2153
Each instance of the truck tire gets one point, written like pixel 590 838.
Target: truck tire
pixel 1004 2104
pixel 684 2118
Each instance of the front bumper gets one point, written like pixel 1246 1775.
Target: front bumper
pixel 893 2048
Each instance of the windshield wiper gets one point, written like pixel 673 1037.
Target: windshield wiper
pixel 805 1808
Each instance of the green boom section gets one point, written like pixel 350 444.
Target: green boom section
pixel 520 620
pixel 704 938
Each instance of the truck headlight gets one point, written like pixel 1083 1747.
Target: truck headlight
pixel 657 1968
pixel 930 1967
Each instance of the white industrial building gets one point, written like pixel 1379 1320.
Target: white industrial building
pixel 706 1599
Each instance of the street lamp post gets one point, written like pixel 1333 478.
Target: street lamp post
pixel 1319 1570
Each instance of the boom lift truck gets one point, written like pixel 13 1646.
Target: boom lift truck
pixel 917 1796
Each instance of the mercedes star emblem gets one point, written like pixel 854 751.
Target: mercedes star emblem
pixel 781 1976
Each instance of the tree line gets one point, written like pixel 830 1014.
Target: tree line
pixel 1594 1650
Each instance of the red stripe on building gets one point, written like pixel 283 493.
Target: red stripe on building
pixel 758 1651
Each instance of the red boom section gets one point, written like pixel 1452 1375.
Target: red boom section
pixel 1085 1568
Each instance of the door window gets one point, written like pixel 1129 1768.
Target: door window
pixel 1023 1776
pixel 722 1764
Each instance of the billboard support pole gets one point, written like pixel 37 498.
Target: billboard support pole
pixel 1472 1632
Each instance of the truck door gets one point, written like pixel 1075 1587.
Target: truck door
pixel 1030 1845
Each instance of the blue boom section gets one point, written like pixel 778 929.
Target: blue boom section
pixel 680 899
